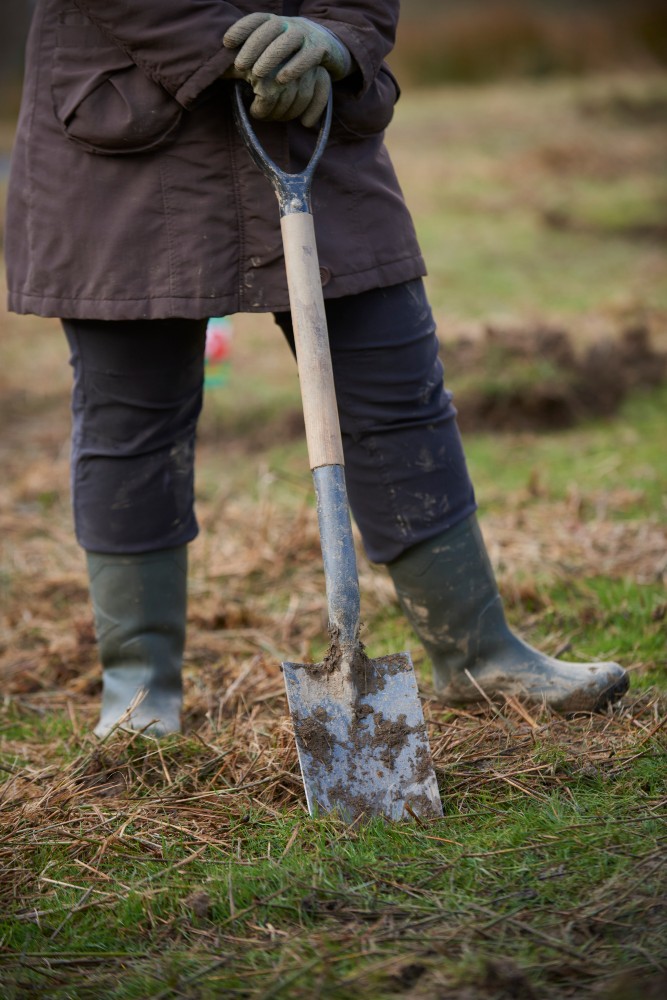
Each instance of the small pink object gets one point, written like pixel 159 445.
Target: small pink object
pixel 218 340
pixel 217 351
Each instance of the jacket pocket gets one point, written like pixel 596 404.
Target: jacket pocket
pixel 370 114
pixel 104 101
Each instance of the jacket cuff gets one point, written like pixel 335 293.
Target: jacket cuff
pixel 205 75
pixel 360 45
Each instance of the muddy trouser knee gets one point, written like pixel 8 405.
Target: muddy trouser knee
pixel 136 399
pixel 405 468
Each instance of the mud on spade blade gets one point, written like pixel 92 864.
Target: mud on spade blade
pixel 359 725
pixel 361 737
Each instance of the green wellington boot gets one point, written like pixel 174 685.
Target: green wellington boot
pixel 448 591
pixel 140 606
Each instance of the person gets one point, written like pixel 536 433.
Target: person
pixel 135 213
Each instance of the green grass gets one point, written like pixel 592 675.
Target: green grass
pixel 620 459
pixel 289 907
pixel 484 168
pixel 616 620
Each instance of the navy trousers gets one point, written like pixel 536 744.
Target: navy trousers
pixel 138 394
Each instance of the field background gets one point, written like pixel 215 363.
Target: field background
pixel 189 868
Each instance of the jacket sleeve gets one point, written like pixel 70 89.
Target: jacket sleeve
pixel 367 27
pixel 177 43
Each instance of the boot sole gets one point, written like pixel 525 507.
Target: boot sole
pixel 614 692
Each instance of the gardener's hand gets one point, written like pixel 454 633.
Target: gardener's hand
pixel 285 48
pixel 305 98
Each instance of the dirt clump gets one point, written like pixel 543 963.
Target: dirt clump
pixel 533 378
pixel 315 738
pixel 352 805
pixel 362 711
pixel 390 737
pixel 424 768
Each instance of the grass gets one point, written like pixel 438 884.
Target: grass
pixel 189 868
pixel 485 182
pixel 184 885
pixel 617 463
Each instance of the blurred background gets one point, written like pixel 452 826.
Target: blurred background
pixel 14 21
pixel 468 40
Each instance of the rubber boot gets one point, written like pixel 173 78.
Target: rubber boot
pixel 448 591
pixel 140 606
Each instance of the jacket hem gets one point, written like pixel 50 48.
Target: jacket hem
pixel 161 307
pixel 171 307
pixel 378 276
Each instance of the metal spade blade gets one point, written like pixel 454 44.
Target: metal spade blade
pixel 361 738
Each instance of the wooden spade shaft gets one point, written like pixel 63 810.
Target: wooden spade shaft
pixel 312 340
pixel 325 449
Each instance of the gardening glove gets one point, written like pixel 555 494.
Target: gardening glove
pixel 305 98
pixel 286 46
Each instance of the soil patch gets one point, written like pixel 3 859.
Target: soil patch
pixel 534 379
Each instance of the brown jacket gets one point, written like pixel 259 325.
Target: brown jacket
pixel 131 194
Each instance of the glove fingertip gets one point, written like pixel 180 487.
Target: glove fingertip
pixel 241 30
pixel 309 120
pixel 312 114
pixel 241 64
pixel 300 63
pixel 259 111
pixel 316 108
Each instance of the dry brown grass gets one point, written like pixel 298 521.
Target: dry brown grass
pixel 245 760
